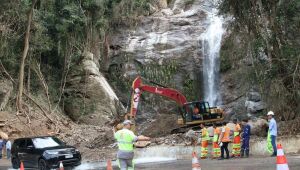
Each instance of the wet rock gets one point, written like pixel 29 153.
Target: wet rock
pixel 5 92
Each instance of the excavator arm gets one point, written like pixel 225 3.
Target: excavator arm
pixel 138 87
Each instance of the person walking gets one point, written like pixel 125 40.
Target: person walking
pixel 125 139
pixel 245 138
pixel 236 145
pixel 1 146
pixel 204 141
pixel 272 131
pixel 216 148
pixel 8 149
pixel 224 141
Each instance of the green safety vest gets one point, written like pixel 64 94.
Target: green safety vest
pixel 125 140
pixel 205 135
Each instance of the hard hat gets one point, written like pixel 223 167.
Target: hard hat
pixel 126 122
pixel 270 113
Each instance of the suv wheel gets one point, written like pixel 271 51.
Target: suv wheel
pixel 15 163
pixel 42 165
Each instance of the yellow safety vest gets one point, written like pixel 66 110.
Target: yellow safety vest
pixel 125 140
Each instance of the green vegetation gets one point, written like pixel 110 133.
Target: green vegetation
pixel 60 31
pixel 269 33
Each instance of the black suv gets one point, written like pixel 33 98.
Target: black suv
pixel 44 153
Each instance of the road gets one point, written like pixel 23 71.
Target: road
pixel 257 163
pixel 263 163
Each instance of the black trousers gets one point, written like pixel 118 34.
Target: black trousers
pixel 224 147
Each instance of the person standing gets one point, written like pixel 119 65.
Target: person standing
pixel 246 138
pixel 236 145
pixel 216 148
pixel 204 141
pixel 224 141
pixel 1 146
pixel 8 149
pixel 125 139
pixel 272 131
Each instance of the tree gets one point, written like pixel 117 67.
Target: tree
pixel 23 58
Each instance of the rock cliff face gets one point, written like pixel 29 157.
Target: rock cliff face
pixel 165 47
pixel 88 97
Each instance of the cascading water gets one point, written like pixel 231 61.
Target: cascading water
pixel 211 44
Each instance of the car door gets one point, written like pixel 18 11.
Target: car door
pixel 31 154
pixel 22 153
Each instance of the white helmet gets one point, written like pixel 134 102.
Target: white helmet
pixel 270 113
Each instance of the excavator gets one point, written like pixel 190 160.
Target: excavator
pixel 190 114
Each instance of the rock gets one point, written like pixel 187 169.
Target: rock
pixel 254 107
pixel 142 144
pixel 258 127
pixel 163 4
pixel 88 93
pixel 178 6
pixel 5 92
pixel 167 12
pixel 254 96
pixel 152 9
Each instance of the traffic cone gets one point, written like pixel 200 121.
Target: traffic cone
pixel 281 159
pixel 22 166
pixel 195 162
pixel 61 166
pixel 109 166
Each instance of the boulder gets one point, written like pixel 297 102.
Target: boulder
pixel 254 107
pixel 254 96
pixel 5 92
pixel 258 127
pixel 88 98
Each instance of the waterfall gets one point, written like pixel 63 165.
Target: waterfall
pixel 211 44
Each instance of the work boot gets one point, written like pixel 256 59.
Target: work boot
pixel 242 153
pixel 247 153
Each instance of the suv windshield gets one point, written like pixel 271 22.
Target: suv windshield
pixel 47 142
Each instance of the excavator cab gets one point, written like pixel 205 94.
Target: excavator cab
pixel 200 112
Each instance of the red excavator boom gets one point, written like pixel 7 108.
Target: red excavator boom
pixel 138 87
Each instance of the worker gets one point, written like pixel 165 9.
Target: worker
pixel 204 141
pixel 224 141
pixel 236 145
pixel 196 113
pixel 272 131
pixel 216 148
pixel 246 138
pixel 1 146
pixel 126 138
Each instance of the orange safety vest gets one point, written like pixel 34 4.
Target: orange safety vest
pixel 216 134
pixel 226 134
pixel 237 129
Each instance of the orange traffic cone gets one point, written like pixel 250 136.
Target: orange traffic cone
pixel 22 166
pixel 61 166
pixel 281 159
pixel 195 162
pixel 109 166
